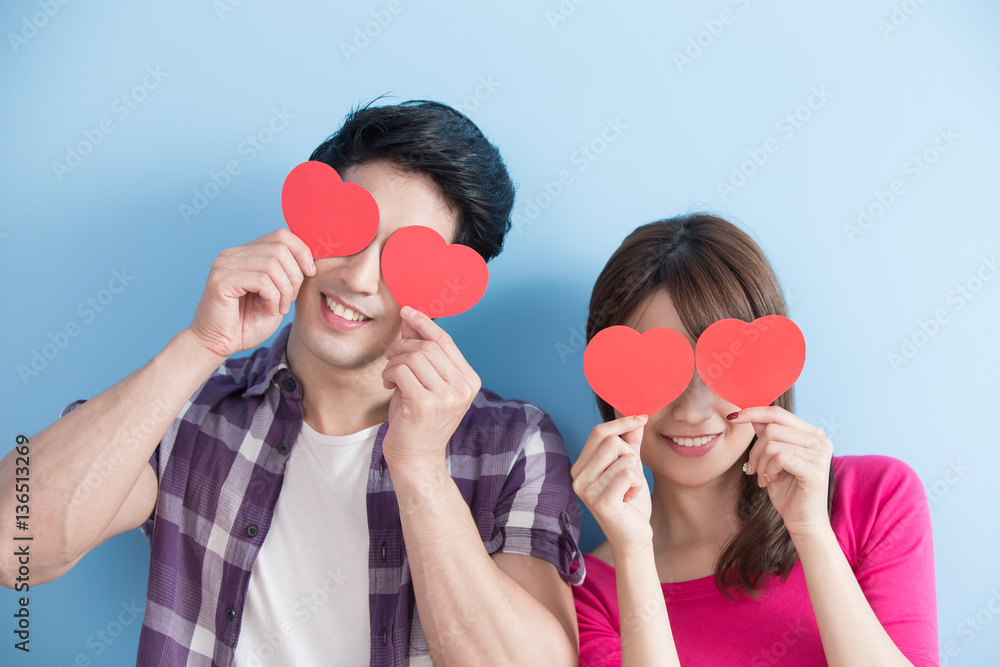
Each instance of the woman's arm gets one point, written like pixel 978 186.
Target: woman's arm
pixel 850 631
pixel 608 478
pixel 646 635
pixel 792 459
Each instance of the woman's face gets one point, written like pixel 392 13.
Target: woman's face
pixel 689 442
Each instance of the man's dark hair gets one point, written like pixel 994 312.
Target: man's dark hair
pixel 434 139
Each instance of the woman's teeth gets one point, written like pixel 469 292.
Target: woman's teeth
pixel 345 313
pixel 693 442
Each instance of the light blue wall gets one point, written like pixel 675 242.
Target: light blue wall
pixel 551 88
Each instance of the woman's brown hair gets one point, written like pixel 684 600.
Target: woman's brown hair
pixel 712 270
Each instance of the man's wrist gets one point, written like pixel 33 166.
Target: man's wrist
pixel 186 347
pixel 417 481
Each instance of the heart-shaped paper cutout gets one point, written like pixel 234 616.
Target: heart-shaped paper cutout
pixel 638 374
pixel 333 218
pixel 751 363
pixel 422 271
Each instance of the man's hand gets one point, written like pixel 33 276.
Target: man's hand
pixel 249 290
pixel 434 387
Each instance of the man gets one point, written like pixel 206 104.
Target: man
pixel 350 494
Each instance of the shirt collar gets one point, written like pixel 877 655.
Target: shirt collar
pixel 263 372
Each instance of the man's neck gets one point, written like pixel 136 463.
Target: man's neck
pixel 337 401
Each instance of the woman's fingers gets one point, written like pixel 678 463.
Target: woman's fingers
pixel 771 457
pixel 620 489
pixel 771 414
pixel 592 490
pixel 611 450
pixel 612 429
pixel 811 438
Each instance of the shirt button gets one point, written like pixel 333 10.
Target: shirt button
pixel 289 384
pixel 230 613
pixel 283 448
pixel 252 530
pixel 385 636
pixel 383 551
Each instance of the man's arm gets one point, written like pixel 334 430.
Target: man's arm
pixel 473 607
pixel 509 609
pixel 90 478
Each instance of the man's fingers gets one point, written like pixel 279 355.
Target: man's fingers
pixel 268 264
pixel 426 328
pixel 411 347
pixel 399 376
pixel 234 284
pixel 423 370
pixel 298 248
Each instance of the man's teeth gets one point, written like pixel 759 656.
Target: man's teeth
pixel 345 313
pixel 693 442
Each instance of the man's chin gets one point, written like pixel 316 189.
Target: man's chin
pixel 339 354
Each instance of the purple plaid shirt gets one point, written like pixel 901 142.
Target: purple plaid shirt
pixel 220 467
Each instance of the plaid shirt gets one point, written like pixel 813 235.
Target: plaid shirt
pixel 220 467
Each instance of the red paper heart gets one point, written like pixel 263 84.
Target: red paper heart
pixel 638 374
pixel 751 363
pixel 333 218
pixel 422 271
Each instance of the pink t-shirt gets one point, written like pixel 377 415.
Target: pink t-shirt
pixel 882 521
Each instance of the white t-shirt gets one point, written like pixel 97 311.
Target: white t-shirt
pixel 307 603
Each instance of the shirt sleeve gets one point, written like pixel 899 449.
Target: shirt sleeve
pixel 895 566
pixel 154 459
pixel 600 640
pixel 537 512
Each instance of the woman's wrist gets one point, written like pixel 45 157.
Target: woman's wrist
pixel 633 552
pixel 820 540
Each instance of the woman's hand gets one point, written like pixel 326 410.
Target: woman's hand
pixel 792 459
pixel 608 478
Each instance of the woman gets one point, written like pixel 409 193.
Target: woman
pixel 756 546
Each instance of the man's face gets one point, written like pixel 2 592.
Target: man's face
pixel 345 315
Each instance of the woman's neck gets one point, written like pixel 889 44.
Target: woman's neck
pixel 686 519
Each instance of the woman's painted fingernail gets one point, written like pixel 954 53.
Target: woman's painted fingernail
pixel 733 415
pixel 641 418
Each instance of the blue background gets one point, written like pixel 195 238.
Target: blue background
pixel 553 83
